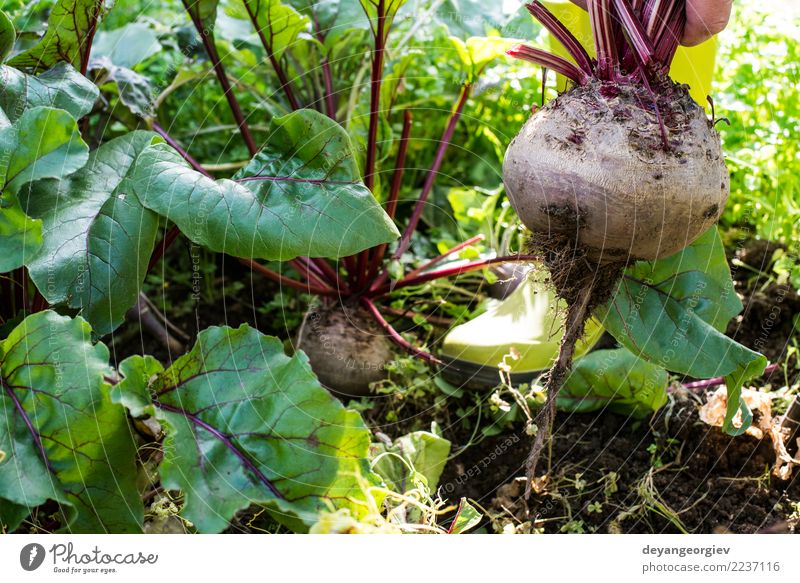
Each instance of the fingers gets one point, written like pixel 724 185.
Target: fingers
pixel 704 19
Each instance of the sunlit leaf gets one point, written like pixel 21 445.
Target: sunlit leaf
pixel 300 195
pixel 672 312
pixel 61 87
pixel 615 380
pixel 97 236
pixel 70 28
pixel 247 424
pixel 64 439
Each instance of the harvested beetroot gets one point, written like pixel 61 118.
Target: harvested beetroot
pixel 622 166
pixel 591 166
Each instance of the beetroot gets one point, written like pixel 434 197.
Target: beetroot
pixel 346 348
pixel 592 167
pixel 622 166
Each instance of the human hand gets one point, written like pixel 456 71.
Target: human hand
pixel 704 19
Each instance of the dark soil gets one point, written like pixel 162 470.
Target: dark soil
pixel 190 308
pixel 665 475
pixel 673 474
pixel 767 321
pixel 677 475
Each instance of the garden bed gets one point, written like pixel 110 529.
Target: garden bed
pixel 609 473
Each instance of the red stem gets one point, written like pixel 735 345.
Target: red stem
pixel 450 271
pixel 668 42
pixel 283 79
pixel 207 36
pixel 86 48
pixel 444 143
pixel 362 268
pixel 184 154
pixel 400 166
pixel 604 41
pixel 405 241
pixel 375 97
pixel 307 272
pixel 562 34
pixel 322 276
pixel 327 77
pixel 350 269
pixel 395 336
pixel 635 33
pixel 444 255
pixel 549 61
pixel 332 275
pixel 162 246
pixel 268 48
pixel 655 16
pixel 718 381
pixel 287 281
pixel 359 267
pixel 394 192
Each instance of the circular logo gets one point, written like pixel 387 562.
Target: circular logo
pixel 31 556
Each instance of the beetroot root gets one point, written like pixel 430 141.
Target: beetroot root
pixel 346 348
pixel 622 166
pixel 592 166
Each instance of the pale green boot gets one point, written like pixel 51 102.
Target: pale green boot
pixel 522 332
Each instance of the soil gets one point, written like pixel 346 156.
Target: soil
pixel 608 473
pixel 192 312
pixel 614 474
pixel 611 474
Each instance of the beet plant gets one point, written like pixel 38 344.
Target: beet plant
pixel 89 180
pixel 348 339
pixel 85 192
pixel 624 167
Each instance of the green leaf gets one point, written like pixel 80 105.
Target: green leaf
pixel 134 90
pixel 672 312
pixel 467 18
pixel 413 455
pixel 61 87
pixel 734 384
pixel 98 238
pixel 126 46
pixel 300 195
pixel 467 517
pixel 616 380
pixel 7 36
pixel 277 23
pixel 131 391
pixel 246 424
pixel 332 18
pixel 478 51
pixel 68 38
pixel 64 439
pixel 20 236
pixel 43 143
